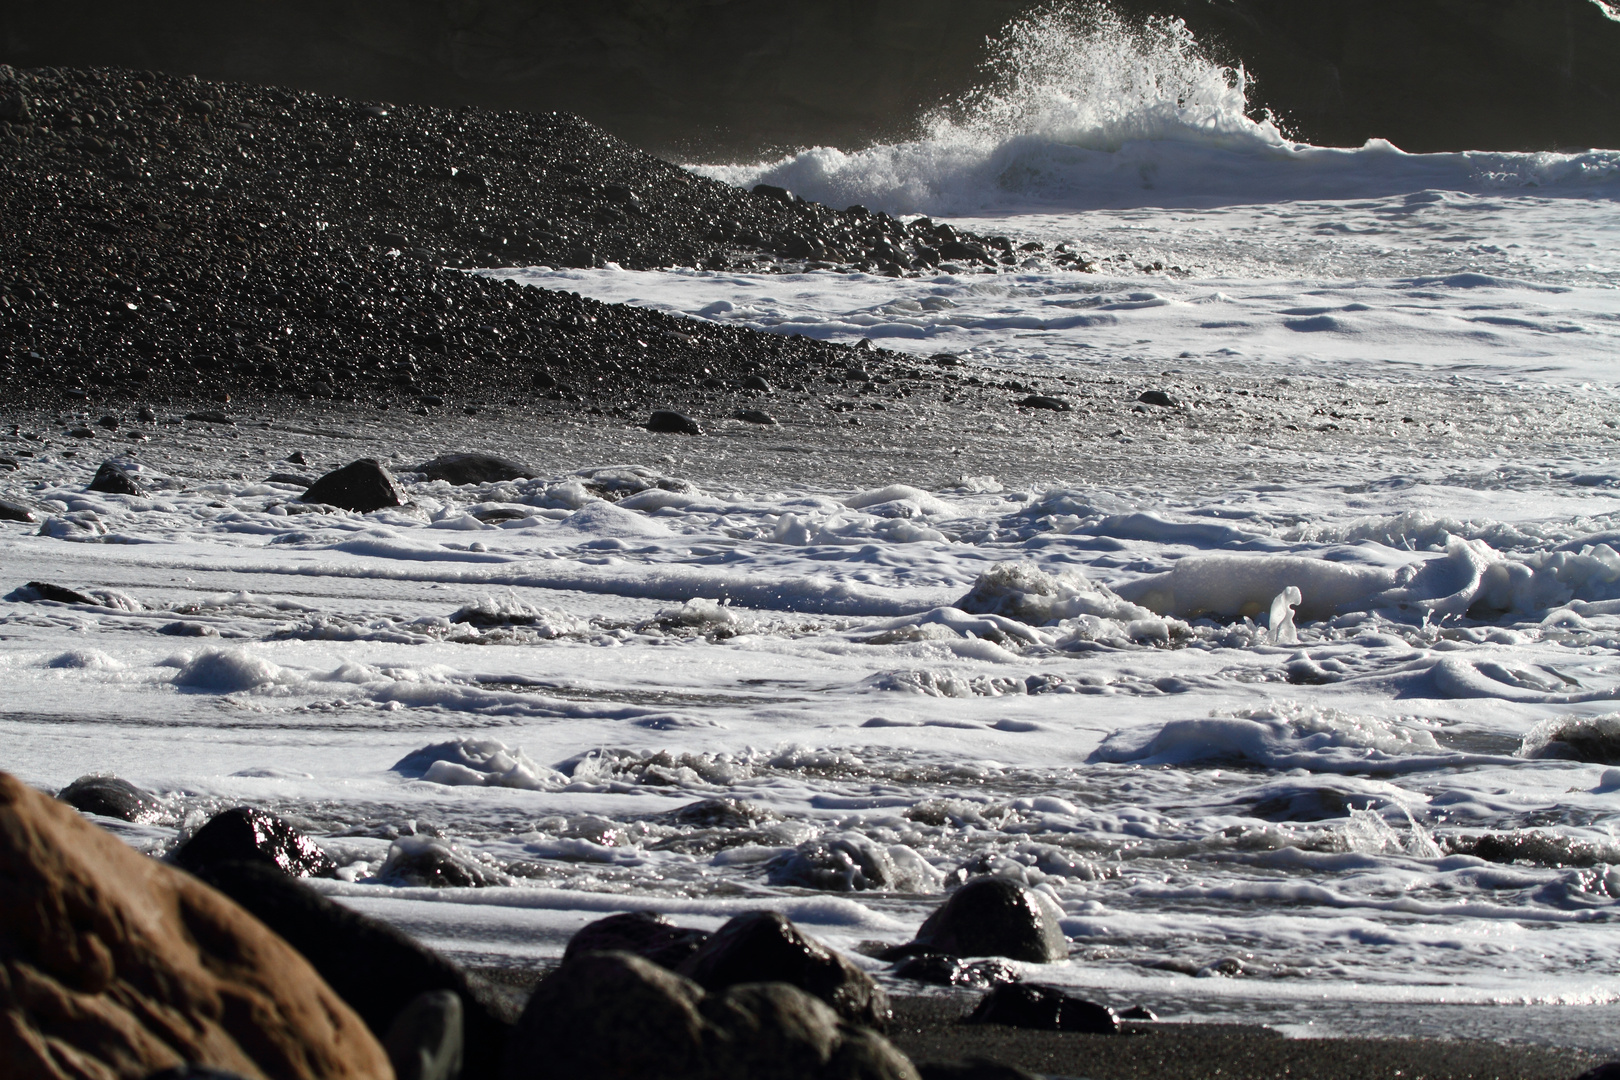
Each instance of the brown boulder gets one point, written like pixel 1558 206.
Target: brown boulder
pixel 114 965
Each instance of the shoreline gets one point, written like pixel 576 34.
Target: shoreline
pixel 927 1029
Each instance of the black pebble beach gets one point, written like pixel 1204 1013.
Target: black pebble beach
pixel 173 239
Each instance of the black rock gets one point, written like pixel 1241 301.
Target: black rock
pixel 111 479
pixel 10 511
pixel 423 861
pixel 378 970
pixel 8 464
pixel 1156 397
pixel 109 796
pixel 35 591
pixel 246 833
pixel 771 191
pixel 668 420
pixel 426 1041
pixel 955 971
pixel 292 479
pixel 1041 401
pixel 209 416
pixel 646 934
pixel 992 916
pixel 109 422
pixel 361 486
pixel 753 416
pixel 297 458
pixel 1138 1012
pixel 757 382
pixel 1045 1008
pixel 719 814
pixel 461 469
pixel 763 946
pixel 146 415
pixel 616 1016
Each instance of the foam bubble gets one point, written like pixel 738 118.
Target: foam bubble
pixel 226 671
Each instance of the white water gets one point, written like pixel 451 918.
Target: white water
pixel 1396 388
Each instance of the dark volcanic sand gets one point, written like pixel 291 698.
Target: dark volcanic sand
pixel 171 238
pixel 928 1030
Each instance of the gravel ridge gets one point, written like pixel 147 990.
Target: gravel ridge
pixel 173 239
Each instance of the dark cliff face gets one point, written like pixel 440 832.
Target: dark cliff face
pixel 723 78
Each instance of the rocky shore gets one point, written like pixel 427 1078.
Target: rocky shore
pixel 220 961
pixel 172 239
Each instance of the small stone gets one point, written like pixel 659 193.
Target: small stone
pixel 1044 1008
pixel 757 382
pixel 422 860
pixel 1156 397
pixel 361 486
pixel 754 416
pixel 992 916
pixel 10 511
pixel 111 479
pixel 771 191
pixel 297 458
pixel 1138 1012
pixel 109 422
pixel 763 946
pixel 1041 401
pixel 646 934
pixel 146 415
pixel 719 814
pixel 671 422
pixel 462 469
pixel 36 591
pixel 108 796
pixel 209 416
pixel 81 433
pixel 248 833
pixel 955 971
pixel 290 479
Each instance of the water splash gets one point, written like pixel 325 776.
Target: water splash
pixel 1082 108
pixel 1081 75
pixel 1065 77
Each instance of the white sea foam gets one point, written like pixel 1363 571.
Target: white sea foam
pixel 824 671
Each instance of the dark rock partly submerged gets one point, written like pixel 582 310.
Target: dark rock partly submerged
pixel 992 916
pixel 10 511
pixel 671 422
pixel 361 486
pixel 108 796
pixel 112 479
pixel 462 469
pixel 246 833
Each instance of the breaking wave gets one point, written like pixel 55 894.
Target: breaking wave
pixel 1084 108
